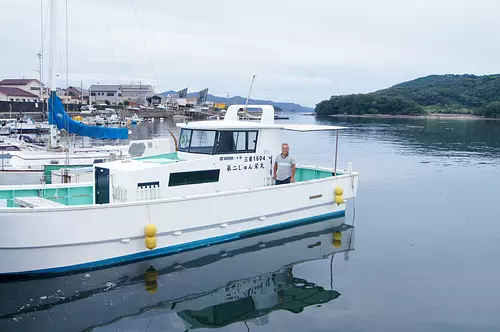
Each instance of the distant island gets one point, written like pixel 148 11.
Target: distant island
pixel 443 94
pixel 278 105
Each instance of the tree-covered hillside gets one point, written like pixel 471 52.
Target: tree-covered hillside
pixel 479 95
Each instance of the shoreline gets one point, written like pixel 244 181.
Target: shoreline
pixel 434 116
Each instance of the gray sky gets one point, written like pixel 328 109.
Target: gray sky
pixel 302 51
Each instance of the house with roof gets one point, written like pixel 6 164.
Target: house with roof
pixel 29 85
pixel 77 92
pixel 99 94
pixel 14 94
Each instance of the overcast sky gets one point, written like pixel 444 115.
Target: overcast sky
pixel 301 51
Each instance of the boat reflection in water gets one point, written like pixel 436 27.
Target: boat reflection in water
pixel 239 281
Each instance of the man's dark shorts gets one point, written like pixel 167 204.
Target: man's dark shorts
pixel 287 180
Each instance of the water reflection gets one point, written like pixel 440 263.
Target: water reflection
pixel 459 139
pixel 240 281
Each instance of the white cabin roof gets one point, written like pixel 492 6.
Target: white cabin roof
pixel 231 122
pixel 234 125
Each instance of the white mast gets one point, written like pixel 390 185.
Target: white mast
pixel 41 56
pixel 52 76
pixel 52 43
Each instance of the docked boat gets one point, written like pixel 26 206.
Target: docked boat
pixel 246 280
pixel 25 125
pixel 24 163
pixel 134 119
pixel 217 187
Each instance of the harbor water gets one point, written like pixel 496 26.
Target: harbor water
pixel 418 249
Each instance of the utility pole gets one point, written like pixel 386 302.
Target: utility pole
pixel 81 91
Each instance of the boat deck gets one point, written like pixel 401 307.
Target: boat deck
pixel 82 193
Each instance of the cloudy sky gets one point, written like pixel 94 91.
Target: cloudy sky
pixel 301 51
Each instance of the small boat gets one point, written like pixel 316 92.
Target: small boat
pixel 134 119
pixel 26 125
pixel 87 109
pixel 152 206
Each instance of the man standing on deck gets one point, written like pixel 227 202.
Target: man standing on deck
pixel 284 167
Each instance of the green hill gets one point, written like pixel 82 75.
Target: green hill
pixel 478 95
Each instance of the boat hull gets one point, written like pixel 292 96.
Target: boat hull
pixel 59 240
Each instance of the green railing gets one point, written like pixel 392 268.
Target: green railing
pixel 306 174
pixel 70 196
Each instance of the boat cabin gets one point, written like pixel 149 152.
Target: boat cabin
pixel 212 157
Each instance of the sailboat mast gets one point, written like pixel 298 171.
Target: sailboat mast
pixel 52 77
pixel 41 58
pixel 52 44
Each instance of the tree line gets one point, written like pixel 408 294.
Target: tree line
pixel 478 95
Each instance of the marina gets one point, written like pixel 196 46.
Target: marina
pixel 172 167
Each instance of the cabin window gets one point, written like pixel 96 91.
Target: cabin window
pixel 218 142
pixel 194 177
pixel 202 141
pixel 185 140
pixel 236 142
pixel 252 141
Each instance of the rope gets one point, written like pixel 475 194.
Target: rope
pixel 331 273
pixel 144 41
pixel 103 3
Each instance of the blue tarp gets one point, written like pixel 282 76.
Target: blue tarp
pixel 58 117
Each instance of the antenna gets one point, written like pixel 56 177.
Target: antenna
pixel 250 91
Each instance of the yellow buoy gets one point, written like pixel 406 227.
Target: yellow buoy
pixel 337 243
pixel 339 191
pixel 337 235
pixel 150 242
pixel 339 200
pixel 150 230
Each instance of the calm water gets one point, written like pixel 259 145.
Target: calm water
pixel 425 255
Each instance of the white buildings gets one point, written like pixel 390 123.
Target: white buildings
pixel 99 94
pixel 136 93
pixel 115 94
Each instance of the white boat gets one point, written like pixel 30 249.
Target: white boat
pixel 87 109
pixel 24 163
pixel 218 187
pixel 246 280
pixel 113 119
pixel 134 119
pixel 25 125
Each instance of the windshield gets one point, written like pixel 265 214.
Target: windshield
pixel 197 141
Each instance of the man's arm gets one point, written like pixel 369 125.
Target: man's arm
pixel 275 169
pixel 292 180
